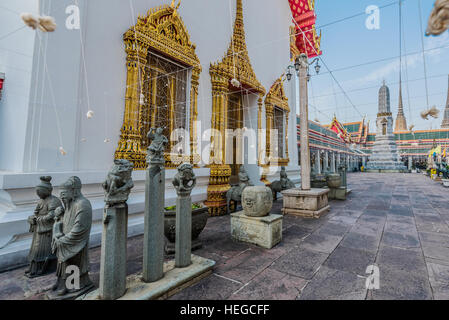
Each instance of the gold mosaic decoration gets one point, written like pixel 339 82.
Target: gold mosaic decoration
pixel 161 31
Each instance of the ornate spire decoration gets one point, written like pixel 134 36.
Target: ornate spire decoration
pixel 401 123
pixel 236 64
pixel 445 123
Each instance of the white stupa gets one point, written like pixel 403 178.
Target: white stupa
pixel 385 156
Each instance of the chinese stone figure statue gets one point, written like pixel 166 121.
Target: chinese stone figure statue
pixel 117 188
pixel 280 185
pixel 243 179
pixel 72 244
pixel 41 259
pixel 118 183
pixel 156 149
pixel 235 193
pixel 184 181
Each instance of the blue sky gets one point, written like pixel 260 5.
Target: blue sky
pixel 349 43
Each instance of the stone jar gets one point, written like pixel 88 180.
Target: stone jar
pixel 333 180
pixel 318 181
pixel 199 221
pixel 257 201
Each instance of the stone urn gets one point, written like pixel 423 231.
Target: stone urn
pixel 257 201
pixel 318 181
pixel 333 180
pixel 199 221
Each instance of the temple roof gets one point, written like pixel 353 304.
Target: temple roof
pixel 236 64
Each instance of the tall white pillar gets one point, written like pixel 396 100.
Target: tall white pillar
pixel 333 167
pixel 326 161
pixel 318 161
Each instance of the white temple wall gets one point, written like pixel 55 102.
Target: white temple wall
pixel 62 80
pixel 16 61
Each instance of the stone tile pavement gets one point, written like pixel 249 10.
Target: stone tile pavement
pixel 398 222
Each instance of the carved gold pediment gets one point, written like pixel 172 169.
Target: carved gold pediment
pixel 276 95
pixel 163 29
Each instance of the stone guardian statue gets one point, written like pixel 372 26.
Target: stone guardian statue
pixel 72 245
pixel 41 259
pixel 117 187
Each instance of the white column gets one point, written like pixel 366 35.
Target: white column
pixel 326 161
pixel 304 122
pixel 333 168
pixel 318 161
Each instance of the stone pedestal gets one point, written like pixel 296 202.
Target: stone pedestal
pixel 175 280
pixel 311 203
pixel 113 252
pixel 183 244
pixel 153 252
pixel 337 193
pixel 265 232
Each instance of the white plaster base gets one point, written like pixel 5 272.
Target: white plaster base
pixel 265 232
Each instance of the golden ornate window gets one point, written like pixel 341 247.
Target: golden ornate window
pixel 161 86
pixel 277 113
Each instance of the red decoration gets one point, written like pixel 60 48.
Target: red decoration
pixel 307 40
pixel 2 79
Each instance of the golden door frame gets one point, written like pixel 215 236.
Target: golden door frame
pixel 235 65
pixel 162 31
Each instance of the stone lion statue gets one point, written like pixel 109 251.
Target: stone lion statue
pixel 118 182
pixel 185 179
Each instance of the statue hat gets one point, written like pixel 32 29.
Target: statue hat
pixel 45 183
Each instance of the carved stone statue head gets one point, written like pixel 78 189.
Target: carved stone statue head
pixel 185 179
pixel 257 201
pixel 70 190
pixel 119 182
pixel 44 188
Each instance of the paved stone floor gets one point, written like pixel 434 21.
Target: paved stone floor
pixel 398 222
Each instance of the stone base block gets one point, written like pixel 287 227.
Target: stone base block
pixel 265 232
pixel 311 203
pixel 337 193
pixel 52 295
pixel 174 280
